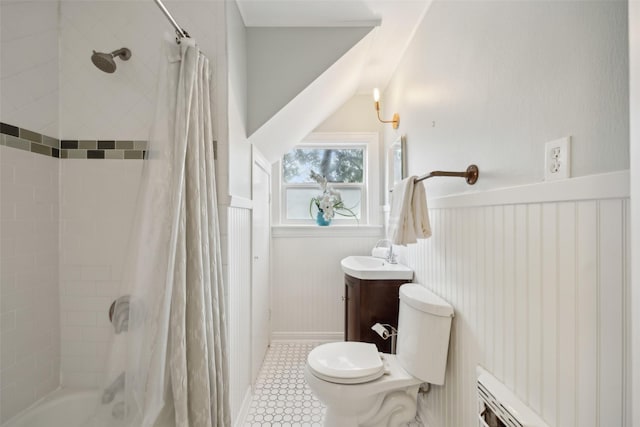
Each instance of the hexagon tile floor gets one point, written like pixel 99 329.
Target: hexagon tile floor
pixel 281 396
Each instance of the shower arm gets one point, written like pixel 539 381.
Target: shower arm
pixel 180 33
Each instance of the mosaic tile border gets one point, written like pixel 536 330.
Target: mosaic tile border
pixel 24 139
pixel 102 149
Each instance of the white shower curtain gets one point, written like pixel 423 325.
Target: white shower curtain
pixel 173 353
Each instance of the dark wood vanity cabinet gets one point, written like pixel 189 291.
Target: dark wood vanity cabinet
pixel 368 302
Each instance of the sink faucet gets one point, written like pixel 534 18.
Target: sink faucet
pixel 391 257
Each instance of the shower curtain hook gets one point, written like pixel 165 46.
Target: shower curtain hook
pixel 180 34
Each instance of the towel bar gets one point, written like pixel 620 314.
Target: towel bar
pixel 470 175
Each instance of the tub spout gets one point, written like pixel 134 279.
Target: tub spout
pixel 110 392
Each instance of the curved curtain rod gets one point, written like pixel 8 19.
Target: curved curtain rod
pixel 180 33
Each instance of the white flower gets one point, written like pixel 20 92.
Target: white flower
pixel 336 195
pixel 329 203
pixel 325 203
pixel 319 179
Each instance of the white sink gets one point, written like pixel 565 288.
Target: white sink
pixel 370 268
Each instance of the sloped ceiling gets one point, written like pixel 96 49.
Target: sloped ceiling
pixel 282 62
pixel 312 105
pixel 313 90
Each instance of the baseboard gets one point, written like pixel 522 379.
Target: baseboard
pixel 307 336
pixel 244 409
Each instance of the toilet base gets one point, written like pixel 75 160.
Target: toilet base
pixel 394 409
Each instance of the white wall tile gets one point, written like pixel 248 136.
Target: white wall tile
pixel 96 105
pixel 98 200
pixel 29 307
pixel 29 65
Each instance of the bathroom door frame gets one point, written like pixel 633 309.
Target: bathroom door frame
pixel 634 168
pixel 260 254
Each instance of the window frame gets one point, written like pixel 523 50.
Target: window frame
pixel 368 142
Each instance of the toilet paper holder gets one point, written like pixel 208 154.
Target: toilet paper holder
pixel 386 331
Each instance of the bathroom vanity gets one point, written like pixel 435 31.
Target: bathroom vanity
pixel 368 302
pixel 371 296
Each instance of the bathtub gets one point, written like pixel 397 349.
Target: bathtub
pixel 62 408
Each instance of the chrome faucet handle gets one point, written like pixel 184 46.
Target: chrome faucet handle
pixel 387 241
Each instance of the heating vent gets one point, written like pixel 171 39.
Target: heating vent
pixel 499 407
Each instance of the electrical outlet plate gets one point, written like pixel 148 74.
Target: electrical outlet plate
pixel 557 159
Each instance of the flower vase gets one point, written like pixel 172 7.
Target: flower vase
pixel 320 219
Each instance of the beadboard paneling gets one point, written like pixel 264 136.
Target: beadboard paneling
pixel 539 291
pixel 308 284
pixel 239 288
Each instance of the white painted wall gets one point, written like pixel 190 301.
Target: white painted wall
pixel 358 114
pixel 29 65
pixel 284 61
pixel 634 91
pixel 541 294
pixel 520 74
pixel 29 287
pixel 239 146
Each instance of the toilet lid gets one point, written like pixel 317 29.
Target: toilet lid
pixel 346 362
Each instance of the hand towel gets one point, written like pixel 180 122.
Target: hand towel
pixel 422 226
pixel 401 228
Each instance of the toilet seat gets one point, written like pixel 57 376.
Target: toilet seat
pixel 346 362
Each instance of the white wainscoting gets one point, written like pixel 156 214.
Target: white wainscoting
pixel 238 226
pixel 541 295
pixel 308 283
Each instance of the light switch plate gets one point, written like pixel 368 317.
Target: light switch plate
pixel 557 159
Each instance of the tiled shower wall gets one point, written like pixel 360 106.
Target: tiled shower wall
pixel 29 304
pixel 97 204
pixel 540 293
pixel 63 230
pixel 29 65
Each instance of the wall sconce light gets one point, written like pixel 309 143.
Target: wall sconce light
pixel 396 116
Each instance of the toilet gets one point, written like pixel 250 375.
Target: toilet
pixel 361 387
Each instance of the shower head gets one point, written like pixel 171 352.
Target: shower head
pixel 105 62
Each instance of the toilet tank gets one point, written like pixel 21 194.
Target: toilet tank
pixel 424 326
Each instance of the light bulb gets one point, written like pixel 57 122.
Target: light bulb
pixel 376 95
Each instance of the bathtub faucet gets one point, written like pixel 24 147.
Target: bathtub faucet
pixel 119 314
pixel 110 392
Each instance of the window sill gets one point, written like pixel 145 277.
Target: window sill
pixel 279 231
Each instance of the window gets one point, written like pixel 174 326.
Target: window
pixel 343 160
